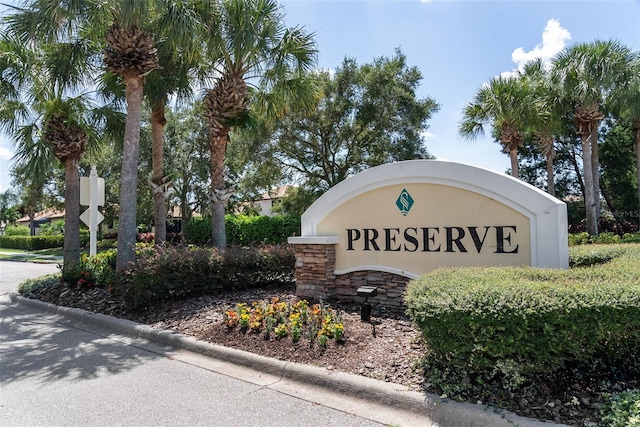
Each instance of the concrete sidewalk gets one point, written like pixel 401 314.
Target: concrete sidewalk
pixel 379 401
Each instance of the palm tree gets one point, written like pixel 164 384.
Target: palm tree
pixel 46 121
pixel 253 47
pixel 588 73
pixel 180 56
pixel 501 103
pixel 545 118
pixel 131 54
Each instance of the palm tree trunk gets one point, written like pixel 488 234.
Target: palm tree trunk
pixel 32 222
pixel 71 250
pixel 513 154
pixel 576 169
pixel 589 196
pixel 158 122
pixel 218 150
pixel 551 188
pixel 595 165
pixel 637 136
pixel 610 204
pixel 129 176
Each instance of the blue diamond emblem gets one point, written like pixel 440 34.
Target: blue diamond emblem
pixel 404 202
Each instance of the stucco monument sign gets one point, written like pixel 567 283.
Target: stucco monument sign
pixel 392 223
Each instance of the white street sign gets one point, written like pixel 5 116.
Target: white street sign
pixel 86 218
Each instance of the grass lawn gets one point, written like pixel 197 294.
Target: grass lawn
pixel 39 255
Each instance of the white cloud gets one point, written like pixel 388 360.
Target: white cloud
pixel 554 39
pixel 5 153
pixel 426 135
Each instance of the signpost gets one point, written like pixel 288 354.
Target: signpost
pixel 92 195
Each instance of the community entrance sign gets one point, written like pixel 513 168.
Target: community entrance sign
pixel 408 218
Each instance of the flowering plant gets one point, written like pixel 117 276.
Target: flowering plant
pixel 315 321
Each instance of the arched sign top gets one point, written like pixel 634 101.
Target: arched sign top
pixel 505 189
pixel 414 216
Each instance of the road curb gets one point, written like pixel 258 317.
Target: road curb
pixel 441 411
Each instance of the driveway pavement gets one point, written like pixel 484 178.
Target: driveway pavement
pixel 12 273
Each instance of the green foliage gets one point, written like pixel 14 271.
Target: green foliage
pixel 579 238
pixel 8 207
pixel 619 177
pixel 55 228
pixel 197 231
pixel 529 321
pixel 18 230
pixel 31 243
pixel 605 238
pixel 316 322
pixel 584 256
pixel 245 230
pixel 173 272
pixel 35 284
pixel 106 243
pixel 98 270
pixel 622 409
pixel 368 115
pixel 296 201
pixel 631 237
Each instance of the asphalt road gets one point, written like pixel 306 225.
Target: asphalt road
pixel 53 373
pixel 12 273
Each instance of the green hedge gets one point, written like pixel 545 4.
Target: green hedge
pixel 160 274
pixel 604 238
pixel 537 320
pixel 621 409
pixel 34 243
pixel 18 230
pixel 245 230
pixel 31 243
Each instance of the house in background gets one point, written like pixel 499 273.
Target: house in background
pixel 46 216
pixel 269 200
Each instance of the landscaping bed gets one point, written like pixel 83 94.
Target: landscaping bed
pixel 391 348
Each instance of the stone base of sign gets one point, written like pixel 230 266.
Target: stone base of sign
pixel 315 266
pixel 316 280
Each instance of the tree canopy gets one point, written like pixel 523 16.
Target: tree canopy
pixel 367 115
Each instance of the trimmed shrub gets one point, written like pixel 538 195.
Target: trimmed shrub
pixel 160 274
pixel 585 256
pixel 197 231
pixel 17 230
pixel 248 230
pixel 605 238
pixel 631 237
pixel 106 243
pixel 534 321
pixel 34 285
pixel 92 271
pixel 579 239
pixel 31 243
pixel 245 230
pixel 622 409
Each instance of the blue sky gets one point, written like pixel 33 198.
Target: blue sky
pixel 457 45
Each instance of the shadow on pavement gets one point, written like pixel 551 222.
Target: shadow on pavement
pixel 43 349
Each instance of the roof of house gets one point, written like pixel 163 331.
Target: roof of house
pixel 49 213
pixel 278 193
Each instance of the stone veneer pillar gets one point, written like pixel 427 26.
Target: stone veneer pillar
pixel 315 267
